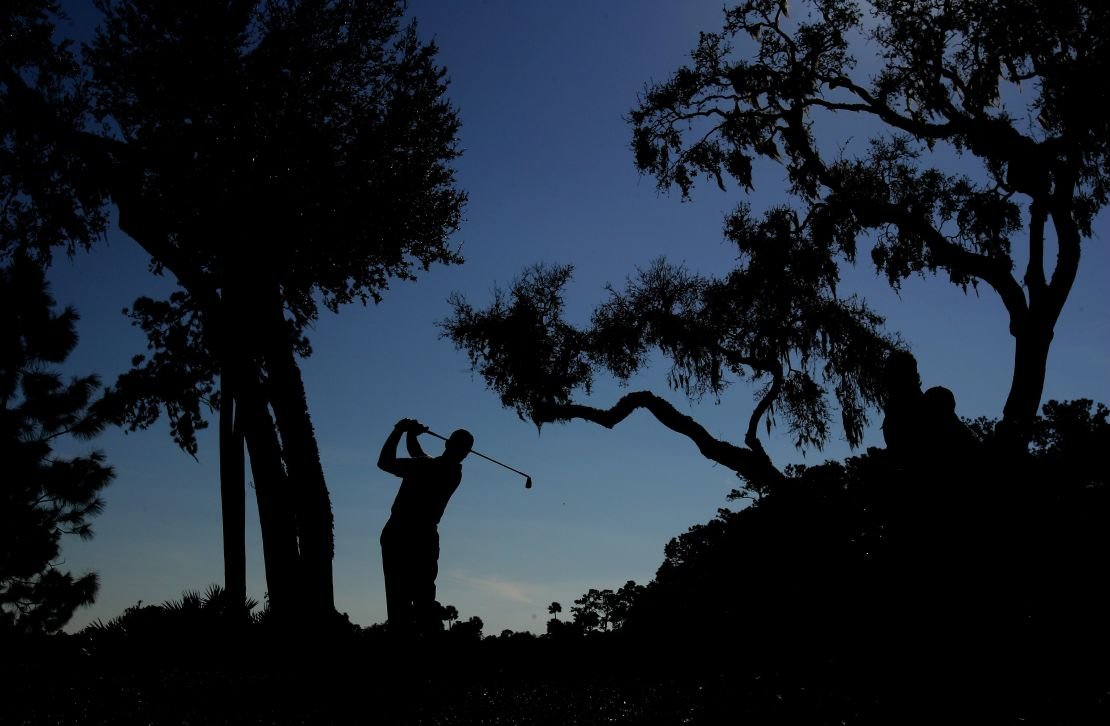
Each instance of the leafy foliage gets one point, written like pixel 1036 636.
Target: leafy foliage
pixel 311 138
pixel 521 345
pixel 43 496
pixel 196 616
pixel 47 198
pixel 793 339
pixel 1004 86
pixel 1011 85
pixel 302 145
pixel 177 375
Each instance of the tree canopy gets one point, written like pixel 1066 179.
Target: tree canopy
pixel 1010 87
pixel 983 140
pixel 305 145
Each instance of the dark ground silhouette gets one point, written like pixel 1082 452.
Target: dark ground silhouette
pixel 858 592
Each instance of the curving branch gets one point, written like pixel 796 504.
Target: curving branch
pixel 751 437
pixel 954 257
pixel 771 368
pixel 1068 240
pixel 753 465
pixel 1034 270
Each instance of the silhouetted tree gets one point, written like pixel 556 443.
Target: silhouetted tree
pixel 470 629
pixel 947 79
pixel 587 616
pixel 620 603
pixel 50 197
pixel 449 614
pixel 791 339
pixel 1013 85
pixel 272 156
pixel 554 609
pixel 43 496
pixel 604 610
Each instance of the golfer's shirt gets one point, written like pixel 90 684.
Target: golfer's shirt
pixel 426 486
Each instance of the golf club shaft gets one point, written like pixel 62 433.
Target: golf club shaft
pixel 476 453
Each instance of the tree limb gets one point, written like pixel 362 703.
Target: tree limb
pixel 1034 271
pixel 953 257
pixel 751 438
pixel 754 466
pixel 1068 239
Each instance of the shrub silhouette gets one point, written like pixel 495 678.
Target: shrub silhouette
pixel 895 580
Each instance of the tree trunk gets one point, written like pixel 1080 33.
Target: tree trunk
pixel 1032 341
pixel 309 490
pixel 232 496
pixel 275 510
pixel 315 525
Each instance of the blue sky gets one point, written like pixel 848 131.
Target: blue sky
pixel 542 90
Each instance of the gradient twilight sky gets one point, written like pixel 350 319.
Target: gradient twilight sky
pixel 542 90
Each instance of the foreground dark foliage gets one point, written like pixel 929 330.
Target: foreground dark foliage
pixel 522 680
pixel 965 590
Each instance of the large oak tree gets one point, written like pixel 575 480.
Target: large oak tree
pixel 1013 89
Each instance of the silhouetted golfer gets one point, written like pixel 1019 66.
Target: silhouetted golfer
pixel 410 539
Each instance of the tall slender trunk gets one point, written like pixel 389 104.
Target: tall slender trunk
pixel 232 495
pixel 315 525
pixel 275 508
pixel 1033 326
pixel 309 492
pixel 1031 346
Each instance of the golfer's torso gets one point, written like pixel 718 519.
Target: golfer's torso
pixel 425 490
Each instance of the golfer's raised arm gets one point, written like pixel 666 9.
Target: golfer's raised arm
pixel 413 446
pixel 387 460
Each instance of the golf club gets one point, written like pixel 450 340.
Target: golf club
pixel 527 479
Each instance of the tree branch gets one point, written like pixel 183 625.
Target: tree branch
pixel 755 466
pixel 1068 239
pixel 952 256
pixel 751 438
pixel 948 254
pixel 1034 271
pixel 877 108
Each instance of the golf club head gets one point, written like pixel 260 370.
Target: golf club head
pixel 527 482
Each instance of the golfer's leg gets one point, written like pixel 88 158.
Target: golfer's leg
pixel 397 598
pixel 425 569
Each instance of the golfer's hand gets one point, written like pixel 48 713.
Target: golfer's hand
pixel 411 425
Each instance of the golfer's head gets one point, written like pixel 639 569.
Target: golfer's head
pixel 459 445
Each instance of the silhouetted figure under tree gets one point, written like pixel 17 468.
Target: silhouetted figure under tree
pixel 410 539
pixel 952 563
pixel 921 428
